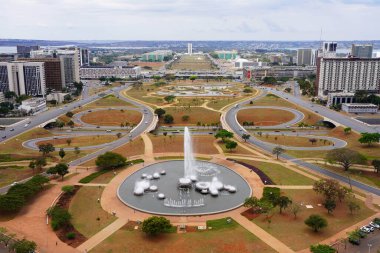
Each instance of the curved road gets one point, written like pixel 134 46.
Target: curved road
pixel 231 120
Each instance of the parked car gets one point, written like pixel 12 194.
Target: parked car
pixel 377 221
pixel 370 228
pixel 12 130
pixel 374 225
pixel 365 229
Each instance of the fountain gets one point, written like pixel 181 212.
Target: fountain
pixel 184 187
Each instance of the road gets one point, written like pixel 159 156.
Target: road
pixel 231 121
pixel 326 112
pixel 147 120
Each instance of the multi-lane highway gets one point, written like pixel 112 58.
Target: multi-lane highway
pixel 230 119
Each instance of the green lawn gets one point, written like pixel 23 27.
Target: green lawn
pixel 88 217
pixel 225 239
pixel 279 174
pixel 109 100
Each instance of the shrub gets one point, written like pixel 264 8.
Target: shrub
pixel 271 194
pixel 156 225
pixel 11 203
pixel 68 189
pixel 70 235
pixel 59 217
pixel 316 222
pixel 110 160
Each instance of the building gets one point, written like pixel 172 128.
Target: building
pixel 23 78
pixel 119 72
pixel 360 108
pixel 33 105
pixel 24 51
pixel 347 75
pixel 305 57
pixel 57 96
pixel 8 57
pixel 157 56
pixel 53 73
pixel 70 72
pixel 189 48
pixel 361 51
pixel 329 49
pixel 84 57
pixel 227 55
pixel 336 98
pixel 80 54
pixel 242 63
pixel 277 72
pixel 2 97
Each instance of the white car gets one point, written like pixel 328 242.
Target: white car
pixel 365 229
pixel 374 225
pixel 146 122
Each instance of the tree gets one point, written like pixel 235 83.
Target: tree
pixel 313 141
pixel 283 202
pixel 277 151
pixel 59 217
pixel 245 137
pixel 288 90
pixel 59 124
pixel 169 98
pixel 40 163
pixel 369 138
pixel 347 130
pixel 316 222
pixel 224 135
pixel 32 165
pixel 156 225
pixel 110 160
pixel 295 209
pixel 11 203
pixel 330 205
pixel 345 157
pixel 68 141
pixel 118 135
pixel 185 118
pixel 61 169
pixel 230 145
pixel 159 112
pixel 69 114
pixel 253 203
pixel 193 78
pixel 376 165
pixel 330 189
pixel 10 94
pixel 70 123
pixel 61 153
pixel 24 246
pixel 45 149
pixel 352 203
pixel 77 150
pixel 322 248
pixel 168 119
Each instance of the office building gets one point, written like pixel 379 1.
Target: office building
pixel 305 57
pixel 157 56
pixel 119 72
pixel 189 48
pixel 53 73
pixel 347 75
pixel 8 57
pixel 360 108
pixel 227 55
pixel 23 78
pixel 335 98
pixel 259 72
pixel 329 49
pixel 70 72
pixel 81 54
pixel 24 51
pixel 361 51
pixel 84 57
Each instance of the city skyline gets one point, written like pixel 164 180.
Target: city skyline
pixel 190 20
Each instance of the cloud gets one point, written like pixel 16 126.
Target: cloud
pixel 190 19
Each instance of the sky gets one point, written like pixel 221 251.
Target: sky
pixel 190 19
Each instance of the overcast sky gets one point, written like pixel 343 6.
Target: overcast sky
pixel 190 19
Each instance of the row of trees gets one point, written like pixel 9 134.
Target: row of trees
pixel 226 137
pixel 168 118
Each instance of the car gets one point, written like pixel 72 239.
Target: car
pixel 365 229
pixel 14 183
pixel 370 228
pixel 210 133
pixel 89 111
pixel 26 125
pixel 130 135
pixel 12 130
pixel 4 137
pixel 108 130
pixel 374 225
pixel 316 112
pixel 146 122
pixel 97 126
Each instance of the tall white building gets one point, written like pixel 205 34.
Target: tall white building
pixel 23 78
pixel 305 56
pixel 189 48
pixel 348 75
pixel 329 49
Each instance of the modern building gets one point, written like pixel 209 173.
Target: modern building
pixel 119 72
pixel 8 57
pixel 227 55
pixel 305 57
pixel 24 51
pixel 53 73
pixel 23 78
pixel 329 49
pixel 336 98
pixel 33 105
pixel 157 56
pixel 242 63
pixel 84 57
pixel 81 54
pixel 360 108
pixel 347 75
pixel 69 68
pixel 361 51
pixel 278 72
pixel 189 48
pixel 57 96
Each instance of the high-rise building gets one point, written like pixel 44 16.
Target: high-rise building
pixel 305 57
pixel 69 69
pixel 84 57
pixel 24 51
pixel 361 51
pixel 4 80
pixel 329 49
pixel 348 75
pixel 53 73
pixel 189 48
pixel 227 55
pixel 81 54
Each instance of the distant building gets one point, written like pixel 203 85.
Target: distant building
pixel 361 51
pixel 336 98
pixel 53 72
pixel 347 75
pixel 118 72
pixel 33 105
pixel 69 69
pixel 23 78
pixel 242 63
pixel 189 48
pixel 156 56
pixel 57 96
pixel 8 57
pixel 24 51
pixel 80 54
pixel 278 72
pixel 360 108
pixel 329 49
pixel 227 55
pixel 305 57
pixel 2 97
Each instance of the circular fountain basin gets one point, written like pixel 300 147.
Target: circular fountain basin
pixel 206 196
